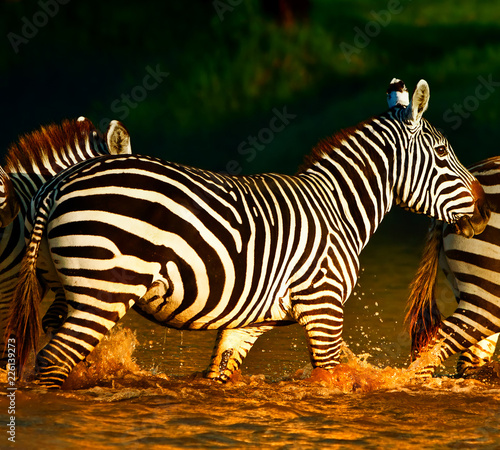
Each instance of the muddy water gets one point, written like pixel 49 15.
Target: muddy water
pixel 139 390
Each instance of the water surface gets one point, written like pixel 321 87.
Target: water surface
pixel 141 388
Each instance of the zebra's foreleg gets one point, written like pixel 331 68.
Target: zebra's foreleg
pixel 78 336
pixel 231 347
pixel 323 326
pixel 477 355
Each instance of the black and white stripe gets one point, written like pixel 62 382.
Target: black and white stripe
pixel 36 158
pixel 192 249
pixel 472 267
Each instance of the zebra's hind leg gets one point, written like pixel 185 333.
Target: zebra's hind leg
pixel 231 347
pixel 477 355
pixel 78 336
pixel 56 314
pixel 454 335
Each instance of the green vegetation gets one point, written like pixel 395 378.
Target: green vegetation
pixel 225 77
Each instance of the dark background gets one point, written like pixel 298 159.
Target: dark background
pixel 231 62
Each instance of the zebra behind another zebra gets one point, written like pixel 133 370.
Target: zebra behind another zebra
pixel 192 249
pixel 34 159
pixel 472 267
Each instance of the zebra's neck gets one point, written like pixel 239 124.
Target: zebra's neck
pixel 356 168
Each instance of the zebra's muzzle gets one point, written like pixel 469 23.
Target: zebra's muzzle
pixel 469 226
pixel 464 227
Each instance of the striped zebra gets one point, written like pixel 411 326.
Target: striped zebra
pixel 472 267
pixel 36 158
pixel 192 249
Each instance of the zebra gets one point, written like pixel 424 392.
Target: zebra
pixel 34 159
pixel 192 249
pixel 472 268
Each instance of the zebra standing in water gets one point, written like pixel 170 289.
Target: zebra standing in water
pixel 191 249
pixel 34 159
pixel 472 268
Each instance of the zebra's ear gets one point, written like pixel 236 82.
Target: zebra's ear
pixel 118 139
pixel 419 101
pixel 9 206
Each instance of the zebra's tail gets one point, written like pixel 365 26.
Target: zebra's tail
pixel 423 317
pixel 24 317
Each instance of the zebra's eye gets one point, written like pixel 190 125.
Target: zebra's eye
pixel 441 150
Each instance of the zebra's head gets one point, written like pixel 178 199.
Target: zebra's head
pixel 116 141
pixel 38 155
pixel 431 180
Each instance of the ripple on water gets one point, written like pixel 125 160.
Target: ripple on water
pixel 111 373
pixel 110 401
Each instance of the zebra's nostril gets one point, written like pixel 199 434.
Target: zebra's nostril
pixel 464 227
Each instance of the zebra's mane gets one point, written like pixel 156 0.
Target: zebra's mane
pixel 49 142
pixel 327 146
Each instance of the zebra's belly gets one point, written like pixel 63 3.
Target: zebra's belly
pixel 186 321
pixel 172 302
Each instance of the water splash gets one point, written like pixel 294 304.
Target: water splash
pixel 111 359
pixel 112 366
pixel 356 374
pixel 430 358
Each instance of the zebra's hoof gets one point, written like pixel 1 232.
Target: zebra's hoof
pixel 224 377
pixel 488 373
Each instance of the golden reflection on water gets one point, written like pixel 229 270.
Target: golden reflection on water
pixel 138 389
pixel 360 406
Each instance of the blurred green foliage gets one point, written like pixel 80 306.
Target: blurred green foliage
pixel 226 76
